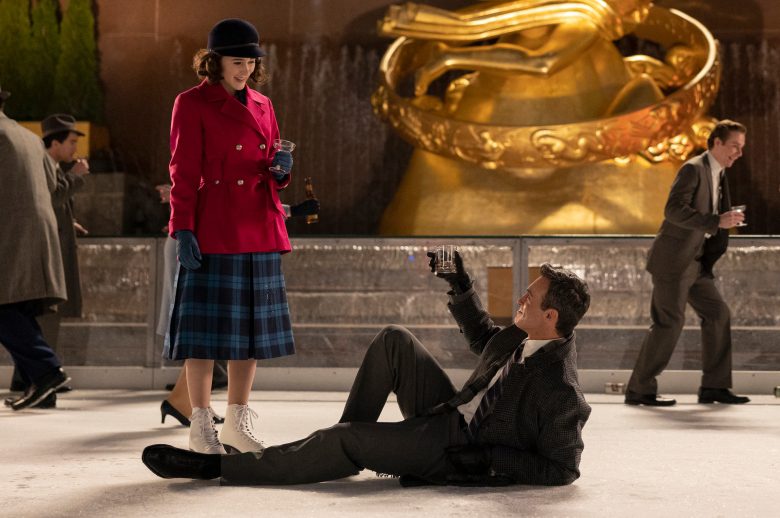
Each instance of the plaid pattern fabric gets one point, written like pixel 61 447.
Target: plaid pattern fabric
pixel 234 307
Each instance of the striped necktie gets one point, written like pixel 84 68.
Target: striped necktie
pixel 493 393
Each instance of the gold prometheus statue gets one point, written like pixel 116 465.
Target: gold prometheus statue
pixel 537 90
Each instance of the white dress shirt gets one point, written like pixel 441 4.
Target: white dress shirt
pixel 716 170
pixel 469 409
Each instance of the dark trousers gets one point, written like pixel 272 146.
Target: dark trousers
pixel 21 335
pixel 670 295
pixel 395 361
pixel 50 329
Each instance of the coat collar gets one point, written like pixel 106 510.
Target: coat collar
pixel 232 107
pixel 552 352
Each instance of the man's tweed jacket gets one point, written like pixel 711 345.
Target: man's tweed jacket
pixel 534 432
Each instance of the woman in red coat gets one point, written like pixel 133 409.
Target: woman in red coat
pixel 230 301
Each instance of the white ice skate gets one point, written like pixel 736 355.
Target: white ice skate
pixel 238 432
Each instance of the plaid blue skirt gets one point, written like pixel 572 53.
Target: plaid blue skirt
pixel 234 307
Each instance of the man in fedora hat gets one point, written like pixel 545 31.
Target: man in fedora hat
pixel 60 137
pixel 32 280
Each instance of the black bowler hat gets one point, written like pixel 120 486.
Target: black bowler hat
pixel 235 38
pixel 57 123
pixel 4 94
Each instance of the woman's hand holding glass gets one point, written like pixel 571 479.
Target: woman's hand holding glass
pixel 282 162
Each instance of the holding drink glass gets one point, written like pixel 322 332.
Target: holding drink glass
pixel 282 162
pixel 445 259
pixel 740 209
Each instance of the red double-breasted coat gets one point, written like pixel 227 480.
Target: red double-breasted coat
pixel 220 154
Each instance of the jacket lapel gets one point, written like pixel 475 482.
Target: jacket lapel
pixel 231 106
pixel 255 104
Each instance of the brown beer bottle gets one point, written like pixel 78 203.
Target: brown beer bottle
pixel 311 218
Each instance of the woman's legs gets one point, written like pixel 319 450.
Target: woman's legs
pixel 241 375
pixel 198 377
pixel 179 397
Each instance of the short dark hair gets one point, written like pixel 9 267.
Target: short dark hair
pixel 60 137
pixel 207 64
pixel 722 131
pixel 568 295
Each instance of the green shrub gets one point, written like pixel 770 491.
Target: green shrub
pixel 45 52
pixel 76 81
pixel 16 70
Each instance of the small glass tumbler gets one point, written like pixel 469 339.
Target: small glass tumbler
pixel 445 259
pixel 740 208
pixel 282 145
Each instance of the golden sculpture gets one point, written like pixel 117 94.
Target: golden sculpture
pixel 583 140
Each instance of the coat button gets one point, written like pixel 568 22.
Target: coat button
pixel 216 182
pixel 261 146
pixel 239 147
pixel 240 182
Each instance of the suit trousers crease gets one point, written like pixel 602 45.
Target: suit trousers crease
pixel 394 362
pixel 670 294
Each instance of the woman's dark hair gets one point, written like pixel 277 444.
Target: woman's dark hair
pixel 208 64
pixel 568 295
pixel 722 131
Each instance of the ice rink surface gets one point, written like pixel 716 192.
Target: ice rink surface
pixel 84 459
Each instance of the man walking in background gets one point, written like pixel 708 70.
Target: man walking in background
pixel 693 236
pixel 60 137
pixel 31 279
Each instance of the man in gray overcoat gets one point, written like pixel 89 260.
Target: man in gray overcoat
pixel 32 280
pixel 60 137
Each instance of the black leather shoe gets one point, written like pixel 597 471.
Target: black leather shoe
pixel 169 462
pixel 632 398
pixel 49 402
pixel 722 395
pixel 41 390
pixel 167 409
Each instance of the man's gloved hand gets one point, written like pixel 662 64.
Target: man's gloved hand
pixel 187 249
pixel 306 208
pixel 472 467
pixel 458 281
pixel 470 459
pixel 283 160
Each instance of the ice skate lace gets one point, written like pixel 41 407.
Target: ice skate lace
pixel 208 431
pixel 245 422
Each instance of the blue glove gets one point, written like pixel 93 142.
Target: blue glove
pixel 187 249
pixel 283 160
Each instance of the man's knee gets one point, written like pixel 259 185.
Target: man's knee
pixel 667 319
pixel 394 336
